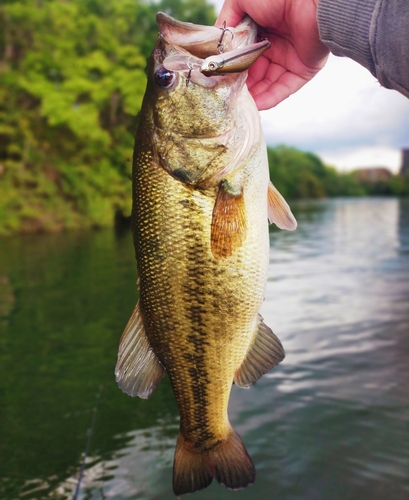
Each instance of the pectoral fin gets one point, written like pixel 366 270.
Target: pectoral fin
pixel 229 224
pixel 264 353
pixel 138 370
pixel 278 210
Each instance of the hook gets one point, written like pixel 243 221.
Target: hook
pixel 220 48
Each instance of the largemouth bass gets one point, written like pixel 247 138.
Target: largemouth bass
pixel 201 204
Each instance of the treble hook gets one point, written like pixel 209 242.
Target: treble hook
pixel 220 49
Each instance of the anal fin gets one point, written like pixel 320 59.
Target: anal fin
pixel 138 371
pixel 229 225
pixel 279 211
pixel 264 353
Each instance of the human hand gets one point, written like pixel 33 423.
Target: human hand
pixel 296 53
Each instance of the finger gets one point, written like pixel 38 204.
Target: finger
pixel 267 95
pixel 231 13
pixel 279 72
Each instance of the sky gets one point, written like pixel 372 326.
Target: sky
pixel 344 116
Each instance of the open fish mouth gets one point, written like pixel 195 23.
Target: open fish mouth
pixel 204 41
pixel 212 51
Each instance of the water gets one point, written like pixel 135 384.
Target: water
pixel 330 423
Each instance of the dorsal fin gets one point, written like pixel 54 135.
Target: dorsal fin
pixel 264 353
pixel 138 371
pixel 278 210
pixel 229 224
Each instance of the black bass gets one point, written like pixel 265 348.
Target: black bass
pixel 201 204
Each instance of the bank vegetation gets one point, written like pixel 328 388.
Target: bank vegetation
pixel 72 78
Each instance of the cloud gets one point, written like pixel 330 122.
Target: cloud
pixel 343 111
pixel 360 157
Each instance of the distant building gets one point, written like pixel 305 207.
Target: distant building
pixel 404 169
pixel 373 174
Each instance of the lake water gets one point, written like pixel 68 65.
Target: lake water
pixel 330 423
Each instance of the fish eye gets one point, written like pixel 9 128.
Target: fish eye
pixel 164 78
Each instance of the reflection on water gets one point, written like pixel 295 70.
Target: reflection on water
pixel 330 423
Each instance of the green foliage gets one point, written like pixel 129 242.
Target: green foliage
pixel 72 79
pixel 397 185
pixel 298 174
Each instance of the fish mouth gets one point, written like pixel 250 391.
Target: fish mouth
pixel 204 41
pixel 199 51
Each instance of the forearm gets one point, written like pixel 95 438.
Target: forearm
pixel 375 33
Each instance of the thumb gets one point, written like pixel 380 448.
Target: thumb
pixel 230 13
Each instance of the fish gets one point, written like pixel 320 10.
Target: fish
pixel 202 201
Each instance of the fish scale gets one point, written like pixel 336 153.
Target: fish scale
pixel 201 202
pixel 170 293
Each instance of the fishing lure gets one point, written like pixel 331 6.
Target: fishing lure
pixel 233 61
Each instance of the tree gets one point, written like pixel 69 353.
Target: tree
pixel 298 174
pixel 72 79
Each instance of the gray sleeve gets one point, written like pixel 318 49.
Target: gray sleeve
pixel 375 33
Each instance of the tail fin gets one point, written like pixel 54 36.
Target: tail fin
pixel 228 462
